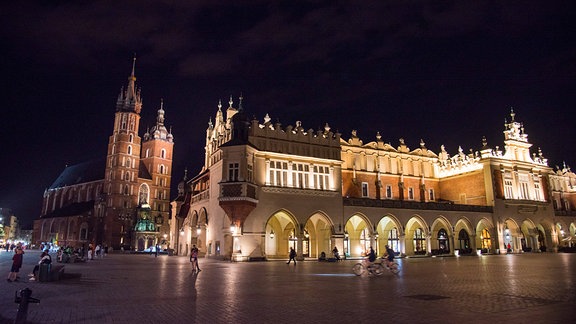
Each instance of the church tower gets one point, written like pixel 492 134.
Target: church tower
pixel 157 148
pixel 116 209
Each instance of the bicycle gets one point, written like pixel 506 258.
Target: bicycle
pixel 391 265
pixel 374 268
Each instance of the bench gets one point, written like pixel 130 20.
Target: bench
pixel 50 272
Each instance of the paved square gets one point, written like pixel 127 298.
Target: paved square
pixel 535 288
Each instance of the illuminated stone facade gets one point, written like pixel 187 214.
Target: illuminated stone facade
pixel 265 188
pixel 102 201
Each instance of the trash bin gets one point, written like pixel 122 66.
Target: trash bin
pixel 44 272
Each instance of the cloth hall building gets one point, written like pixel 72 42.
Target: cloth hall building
pixel 265 188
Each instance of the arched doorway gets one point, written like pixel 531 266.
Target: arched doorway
pixel 317 236
pixel 464 242
pixel 357 236
pixel 281 234
pixel 388 234
pixel 443 242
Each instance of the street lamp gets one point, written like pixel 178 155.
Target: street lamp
pixel 198 230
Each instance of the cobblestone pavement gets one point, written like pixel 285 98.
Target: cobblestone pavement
pixel 123 288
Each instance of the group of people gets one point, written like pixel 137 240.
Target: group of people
pixel 388 255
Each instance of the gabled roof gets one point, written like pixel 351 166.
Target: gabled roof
pixel 81 173
pixel 74 209
pixel 143 172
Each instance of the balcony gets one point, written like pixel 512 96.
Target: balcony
pixel 408 204
pixel 202 195
pixel 237 191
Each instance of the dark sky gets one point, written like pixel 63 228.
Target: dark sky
pixel 446 72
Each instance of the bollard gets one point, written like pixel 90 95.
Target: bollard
pixel 23 300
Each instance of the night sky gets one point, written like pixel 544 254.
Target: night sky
pixel 446 72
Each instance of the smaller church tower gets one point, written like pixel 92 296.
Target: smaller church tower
pixel 157 148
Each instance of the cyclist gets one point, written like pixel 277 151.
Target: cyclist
pixel 371 256
pixel 389 255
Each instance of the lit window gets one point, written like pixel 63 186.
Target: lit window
pixel 364 189
pixel 389 191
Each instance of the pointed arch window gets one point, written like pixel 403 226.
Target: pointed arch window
pixel 443 242
pixel 131 138
pixel 143 194
pixel 463 240
pixel 163 153
pixel 365 240
pixel 126 190
pixel 419 241
pixel 485 239
pixel 129 149
pixel 393 241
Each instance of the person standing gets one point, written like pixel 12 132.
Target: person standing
pixel 194 258
pixel 292 256
pixel 16 265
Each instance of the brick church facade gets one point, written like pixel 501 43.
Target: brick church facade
pixel 121 200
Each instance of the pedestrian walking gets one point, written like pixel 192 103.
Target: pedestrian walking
pixel 194 258
pixel 17 259
pixel 292 256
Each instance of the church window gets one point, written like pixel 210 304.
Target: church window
pixel 123 126
pixel 161 169
pixel 131 138
pixel 128 163
pixel 83 233
pixel 143 194
pixel 163 153
pixel 127 176
pixel 126 190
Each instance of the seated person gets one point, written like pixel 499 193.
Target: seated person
pixel 44 259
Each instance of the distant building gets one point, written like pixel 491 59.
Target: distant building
pixel 121 200
pixel 266 187
pixel 9 226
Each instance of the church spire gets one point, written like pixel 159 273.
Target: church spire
pixel 129 99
